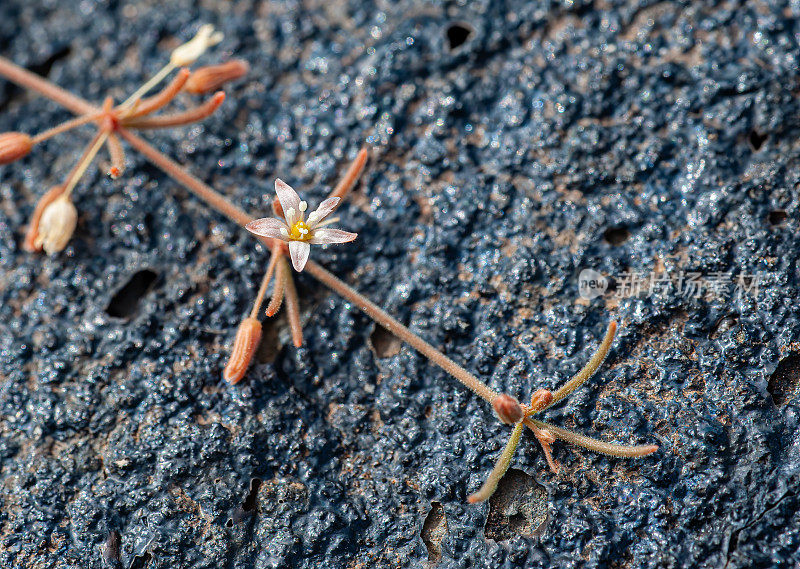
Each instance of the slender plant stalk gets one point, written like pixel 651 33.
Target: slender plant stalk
pixel 595 445
pixel 152 82
pixel 384 319
pixel 65 126
pixel 192 115
pixel 277 292
pixel 262 290
pixel 94 147
pixel 500 467
pixel 292 304
pixel 351 176
pixel 588 370
pixel 117 154
pixel 25 78
pixel 162 98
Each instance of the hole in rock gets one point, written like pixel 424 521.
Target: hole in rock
pixel 384 344
pixel 250 501
pixel 756 139
pixel 434 528
pixel 616 235
pixel 518 507
pixel 457 35
pixel 777 217
pixel 126 300
pixel 785 379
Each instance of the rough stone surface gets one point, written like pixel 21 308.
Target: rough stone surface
pixel 514 144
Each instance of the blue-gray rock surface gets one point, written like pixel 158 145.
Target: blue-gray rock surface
pixel 514 144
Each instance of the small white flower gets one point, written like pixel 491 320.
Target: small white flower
pixel 300 233
pixel 187 53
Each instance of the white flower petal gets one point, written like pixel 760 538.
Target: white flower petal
pixel 323 211
pixel 328 236
pixel 298 251
pixel 267 227
pixel 289 201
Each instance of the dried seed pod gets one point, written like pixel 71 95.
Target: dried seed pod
pixel 508 409
pixel 210 78
pixel 31 242
pixel 13 146
pixel 244 348
pixel 57 225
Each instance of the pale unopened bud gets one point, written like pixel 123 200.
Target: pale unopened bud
pixel 13 146
pixel 187 53
pixel 210 78
pixel 57 225
pixel 244 348
pixel 507 409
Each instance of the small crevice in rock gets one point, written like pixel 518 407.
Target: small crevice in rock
pixel 616 235
pixel 434 528
pixel 722 325
pixel 250 501
pixel 784 381
pixel 111 547
pixel 383 343
pixel 126 300
pixel 457 35
pixel 777 217
pixel 141 561
pixel 756 139
pixel 518 507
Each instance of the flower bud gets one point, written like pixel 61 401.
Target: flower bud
pixel 57 225
pixel 13 146
pixel 210 78
pixel 244 348
pixel 541 399
pixel 187 53
pixel 31 242
pixel 508 409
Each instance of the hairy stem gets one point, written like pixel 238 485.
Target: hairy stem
pixel 588 370
pixel 189 116
pixel 65 126
pixel 595 445
pixel 80 168
pixel 117 155
pixel 351 176
pixel 25 78
pixel 384 319
pixel 277 292
pixel 162 98
pixel 152 82
pixel 500 467
pixel 292 304
pixel 262 290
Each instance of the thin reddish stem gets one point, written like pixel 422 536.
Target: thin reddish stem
pixel 117 154
pixel 66 126
pixel 202 190
pixel 351 176
pixel 277 292
pixel 384 319
pixel 25 78
pixel 189 116
pixel 262 290
pixel 292 305
pixel 160 99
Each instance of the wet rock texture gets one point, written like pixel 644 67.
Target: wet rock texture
pixel 514 144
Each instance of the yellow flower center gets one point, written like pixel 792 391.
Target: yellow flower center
pixel 300 231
